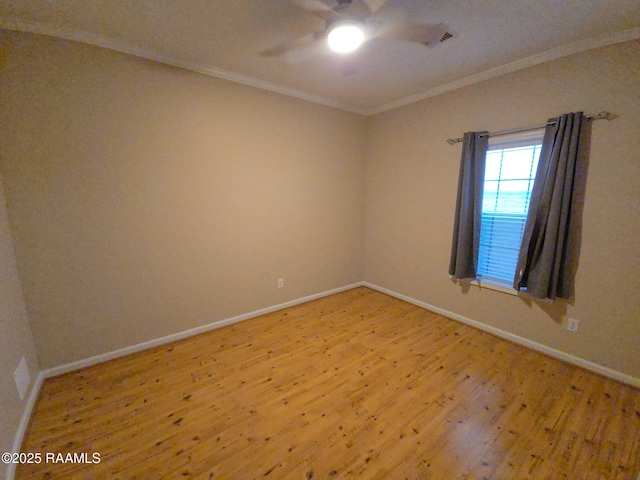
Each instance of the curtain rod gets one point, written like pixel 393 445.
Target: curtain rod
pixel 599 116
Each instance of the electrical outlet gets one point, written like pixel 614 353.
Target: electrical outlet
pixel 280 282
pixel 572 324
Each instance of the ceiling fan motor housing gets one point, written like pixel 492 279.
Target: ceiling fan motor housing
pixel 343 19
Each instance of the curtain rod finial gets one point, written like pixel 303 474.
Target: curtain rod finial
pixel 604 115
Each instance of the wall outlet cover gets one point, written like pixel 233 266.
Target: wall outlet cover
pixel 572 324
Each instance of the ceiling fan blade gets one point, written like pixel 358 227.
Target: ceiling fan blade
pixel 432 35
pixel 298 43
pixel 424 34
pixel 317 7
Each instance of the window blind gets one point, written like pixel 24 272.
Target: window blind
pixel 509 175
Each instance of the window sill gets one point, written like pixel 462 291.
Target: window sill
pixel 494 286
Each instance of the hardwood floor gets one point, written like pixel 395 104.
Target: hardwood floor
pixel 356 385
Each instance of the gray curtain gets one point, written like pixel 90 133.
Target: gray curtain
pixel 466 227
pixel 548 251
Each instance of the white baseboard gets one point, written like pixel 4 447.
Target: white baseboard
pixel 87 362
pixel 552 352
pixel 24 421
pixel 103 357
pixel 539 347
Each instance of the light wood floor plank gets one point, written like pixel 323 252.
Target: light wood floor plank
pixel 356 385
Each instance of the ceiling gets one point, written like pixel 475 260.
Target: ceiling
pixel 225 38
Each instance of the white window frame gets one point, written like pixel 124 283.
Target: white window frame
pixel 502 142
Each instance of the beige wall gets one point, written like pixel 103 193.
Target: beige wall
pixel 15 337
pixel 412 181
pixel 146 200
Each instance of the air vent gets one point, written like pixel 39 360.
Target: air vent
pixel 446 37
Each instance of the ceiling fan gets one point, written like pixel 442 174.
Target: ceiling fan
pixel 349 23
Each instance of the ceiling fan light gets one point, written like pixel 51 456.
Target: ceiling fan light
pixel 345 35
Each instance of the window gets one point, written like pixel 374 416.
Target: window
pixel 511 164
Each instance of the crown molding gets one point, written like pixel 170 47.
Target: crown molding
pixel 553 54
pixel 138 51
pixel 118 45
